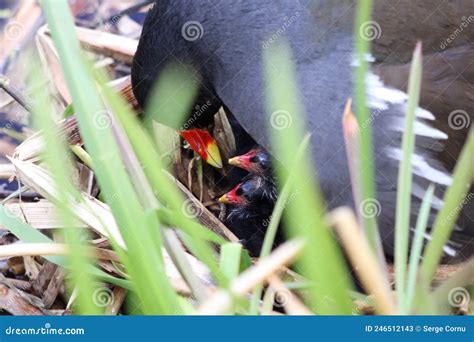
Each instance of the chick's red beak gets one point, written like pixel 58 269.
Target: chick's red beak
pixel 231 197
pixel 204 144
pixel 243 161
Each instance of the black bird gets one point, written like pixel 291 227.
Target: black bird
pixel 250 212
pixel 223 42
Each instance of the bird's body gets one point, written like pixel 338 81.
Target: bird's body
pixel 226 51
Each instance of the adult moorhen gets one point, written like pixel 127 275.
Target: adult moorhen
pixel 223 41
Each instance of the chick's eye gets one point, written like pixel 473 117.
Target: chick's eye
pixel 239 192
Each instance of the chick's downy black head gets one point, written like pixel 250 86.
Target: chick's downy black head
pixel 257 161
pixel 245 193
pixel 249 199
pixel 250 210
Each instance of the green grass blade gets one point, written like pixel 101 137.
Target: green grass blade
pixel 416 248
pixel 366 169
pixel 150 282
pixel 173 219
pixel 172 96
pixel 60 165
pixel 321 260
pixel 277 213
pixel 402 220
pixel 231 255
pixel 447 216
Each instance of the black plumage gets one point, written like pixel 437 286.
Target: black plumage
pixel 249 212
pixel 227 55
pixel 258 162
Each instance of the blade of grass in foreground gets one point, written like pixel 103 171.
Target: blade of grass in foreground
pixel 143 259
pixel 60 165
pixel 402 219
pixel 231 254
pixel 416 249
pixel 276 217
pixel 452 204
pixel 366 170
pixel 321 261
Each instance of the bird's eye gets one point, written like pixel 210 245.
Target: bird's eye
pixel 239 192
pixel 254 159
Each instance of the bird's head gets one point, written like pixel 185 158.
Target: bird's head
pixel 256 161
pixel 244 194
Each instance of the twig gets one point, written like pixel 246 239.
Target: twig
pixel 118 297
pixel 463 277
pixel 54 286
pixel 175 250
pixel 14 92
pixel 222 301
pixel 351 131
pixel 12 302
pixel 48 249
pixel 291 303
pixel 363 259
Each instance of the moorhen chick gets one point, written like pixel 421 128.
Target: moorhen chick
pixel 258 162
pixel 223 42
pixel 249 213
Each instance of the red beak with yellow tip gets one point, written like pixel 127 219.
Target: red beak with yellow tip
pixel 204 144
pixel 232 197
pixel 243 161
